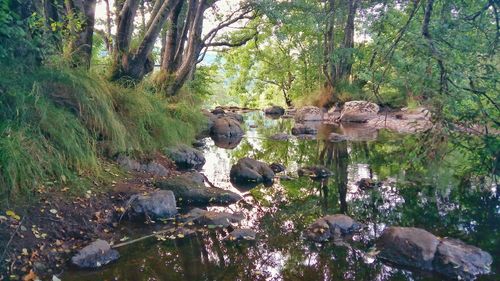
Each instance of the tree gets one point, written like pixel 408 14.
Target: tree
pixel 81 18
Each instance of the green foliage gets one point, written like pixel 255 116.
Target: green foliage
pixel 57 123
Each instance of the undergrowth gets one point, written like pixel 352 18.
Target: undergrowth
pixel 57 124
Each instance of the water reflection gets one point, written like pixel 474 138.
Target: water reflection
pixel 431 197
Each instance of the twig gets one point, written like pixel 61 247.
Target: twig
pixel 11 238
pixel 142 238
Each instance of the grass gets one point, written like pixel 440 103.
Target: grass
pixel 57 125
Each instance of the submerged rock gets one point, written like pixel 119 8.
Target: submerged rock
pixel 454 258
pixel 314 172
pixel 242 234
pixel 95 255
pixel 274 110
pixel 186 157
pixel 358 111
pixel 367 183
pixel 248 170
pixel 226 127
pixel 418 248
pixel 309 113
pixel 204 217
pixel 331 226
pixel 157 204
pixel 189 189
pixel 301 129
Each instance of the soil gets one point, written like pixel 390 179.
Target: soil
pixel 37 239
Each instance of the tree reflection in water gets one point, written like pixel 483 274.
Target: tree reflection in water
pixel 423 195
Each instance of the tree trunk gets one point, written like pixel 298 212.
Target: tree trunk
pixel 80 46
pixel 345 65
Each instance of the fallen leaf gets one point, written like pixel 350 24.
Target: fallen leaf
pixel 31 276
pixel 13 215
pixel 53 211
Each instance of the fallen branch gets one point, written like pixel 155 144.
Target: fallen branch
pixel 142 238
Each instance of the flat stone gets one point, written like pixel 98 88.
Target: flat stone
pixel 188 188
pixel 331 226
pixel 408 246
pixel 95 255
pixel 157 204
pixel 186 157
pixel 301 129
pixel 204 217
pixel 314 172
pixel 242 234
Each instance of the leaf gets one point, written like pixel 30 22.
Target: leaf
pixel 13 215
pixel 53 211
pixel 125 238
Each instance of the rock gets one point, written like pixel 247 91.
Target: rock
pixel 309 113
pixel 186 157
pixel 198 143
pixel 204 217
pixel 218 111
pixel 242 234
pixel 248 170
pixel 418 248
pixel 188 188
pixel 158 204
pixel 226 127
pixel 408 246
pixel 286 178
pixel 274 110
pixel 227 142
pixel 277 168
pixel 235 116
pixel 95 255
pixel 306 137
pixel 153 167
pixel 331 226
pixel 280 137
pixel 458 260
pixel 366 183
pixel 358 111
pixel 314 172
pixel 301 129
pixel 334 137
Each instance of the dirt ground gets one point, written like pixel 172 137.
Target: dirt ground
pixel 37 239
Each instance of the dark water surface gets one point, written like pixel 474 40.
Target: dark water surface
pixel 434 196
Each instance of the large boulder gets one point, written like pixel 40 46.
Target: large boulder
pixel 235 116
pixel 418 248
pixel 186 157
pixel 95 255
pixel 157 204
pixel 226 127
pixel 248 170
pixel 189 188
pixel 456 259
pixel 274 110
pixel 408 246
pixel 331 226
pixel 302 129
pixel 204 217
pixel 309 113
pixel 358 111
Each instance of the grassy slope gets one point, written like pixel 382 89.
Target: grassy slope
pixel 56 125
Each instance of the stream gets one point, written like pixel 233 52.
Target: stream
pixel 432 197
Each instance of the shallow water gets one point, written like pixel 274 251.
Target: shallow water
pixel 433 197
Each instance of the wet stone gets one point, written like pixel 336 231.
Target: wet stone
pixel 301 129
pixel 314 172
pixel 242 234
pixel 186 157
pixel 331 226
pixel 189 188
pixel 95 255
pixel 157 204
pixel 280 137
pixel 277 167
pixel 274 110
pixel 211 218
pixel 248 170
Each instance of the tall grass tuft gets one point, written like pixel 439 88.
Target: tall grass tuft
pixel 56 124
